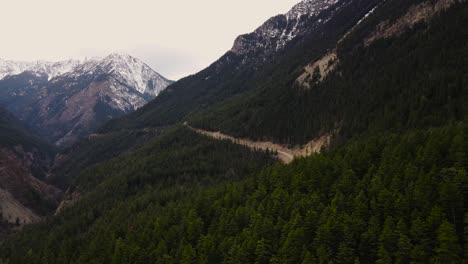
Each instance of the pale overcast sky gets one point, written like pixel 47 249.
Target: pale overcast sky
pixel 176 38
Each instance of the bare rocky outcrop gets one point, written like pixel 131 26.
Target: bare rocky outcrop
pixel 318 70
pixel 70 198
pixel 13 212
pixel 422 12
pixel 21 194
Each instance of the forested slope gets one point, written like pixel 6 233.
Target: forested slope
pixel 418 79
pixel 386 198
pixel 95 149
pixel 235 74
pixel 165 170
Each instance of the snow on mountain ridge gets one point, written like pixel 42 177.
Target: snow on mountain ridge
pixel 135 73
pixel 125 68
pixel 275 33
pixel 309 7
pixel 83 94
pixel 51 69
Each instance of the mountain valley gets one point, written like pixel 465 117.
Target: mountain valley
pixel 334 133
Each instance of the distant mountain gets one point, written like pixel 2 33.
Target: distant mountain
pixel 67 100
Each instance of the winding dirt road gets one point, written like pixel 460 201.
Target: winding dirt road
pixel 284 154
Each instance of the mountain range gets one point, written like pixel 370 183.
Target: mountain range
pixel 65 101
pixel 334 133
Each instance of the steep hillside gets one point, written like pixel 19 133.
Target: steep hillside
pixel 67 101
pixel 263 94
pixel 415 77
pixel 13 133
pixel 97 148
pixel 24 162
pixel 243 68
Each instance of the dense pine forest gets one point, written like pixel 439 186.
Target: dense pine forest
pixel 385 198
pixel 95 149
pixel 391 187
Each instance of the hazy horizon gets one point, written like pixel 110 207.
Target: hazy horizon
pixel 174 40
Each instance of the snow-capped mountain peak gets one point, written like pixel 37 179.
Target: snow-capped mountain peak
pixel 135 73
pixel 274 34
pixel 309 8
pixel 125 69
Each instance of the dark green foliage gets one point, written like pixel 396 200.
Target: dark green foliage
pixel 95 149
pixel 382 199
pixel 126 190
pixel 448 249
